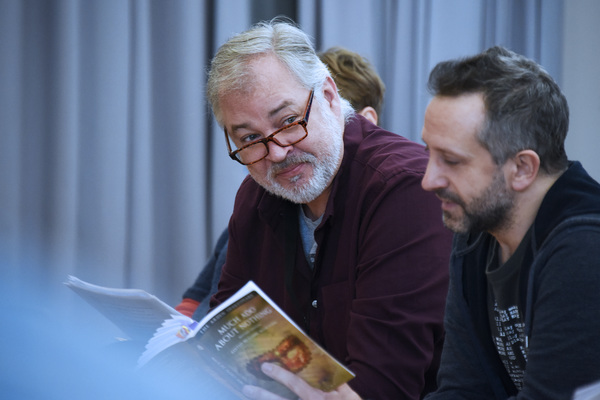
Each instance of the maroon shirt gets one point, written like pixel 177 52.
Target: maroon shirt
pixel 381 269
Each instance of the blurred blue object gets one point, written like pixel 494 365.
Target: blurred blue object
pixel 48 353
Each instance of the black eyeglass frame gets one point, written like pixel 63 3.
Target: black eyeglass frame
pixel 271 138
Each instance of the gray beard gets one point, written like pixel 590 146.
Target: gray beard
pixel 323 173
pixel 324 169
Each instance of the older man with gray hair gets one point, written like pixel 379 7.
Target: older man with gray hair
pixel 332 222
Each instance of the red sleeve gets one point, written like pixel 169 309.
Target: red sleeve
pixel 187 307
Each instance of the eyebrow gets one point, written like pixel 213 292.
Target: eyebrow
pixel 446 151
pixel 271 114
pixel 283 105
pixel 452 153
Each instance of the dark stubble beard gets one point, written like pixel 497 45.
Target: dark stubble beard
pixel 488 212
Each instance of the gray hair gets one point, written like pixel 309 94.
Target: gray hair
pixel 525 108
pixel 229 68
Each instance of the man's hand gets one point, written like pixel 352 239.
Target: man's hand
pixel 298 386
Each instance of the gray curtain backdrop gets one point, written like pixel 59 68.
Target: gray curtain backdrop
pixel 111 166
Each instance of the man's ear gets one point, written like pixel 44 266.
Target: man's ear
pixel 369 113
pixel 330 93
pixel 526 166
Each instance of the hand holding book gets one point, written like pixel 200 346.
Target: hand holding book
pixel 298 386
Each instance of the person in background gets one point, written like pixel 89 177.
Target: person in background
pixel 332 222
pixel 522 317
pixel 358 82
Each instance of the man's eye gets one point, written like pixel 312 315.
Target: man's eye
pixel 290 120
pixel 250 138
pixel 450 161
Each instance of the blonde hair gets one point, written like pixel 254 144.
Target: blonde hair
pixel 355 77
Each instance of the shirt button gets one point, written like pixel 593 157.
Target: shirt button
pixel 314 303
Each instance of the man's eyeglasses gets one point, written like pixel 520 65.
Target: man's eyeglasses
pixel 288 135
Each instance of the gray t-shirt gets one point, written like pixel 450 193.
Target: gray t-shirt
pixel 307 233
pixel 507 322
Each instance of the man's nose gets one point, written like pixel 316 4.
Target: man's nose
pixel 432 179
pixel 277 153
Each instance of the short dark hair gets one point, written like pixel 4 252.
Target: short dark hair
pixel 525 108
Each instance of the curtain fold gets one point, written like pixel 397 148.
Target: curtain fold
pixel 111 165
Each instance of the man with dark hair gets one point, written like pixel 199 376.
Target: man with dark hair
pixel 523 309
